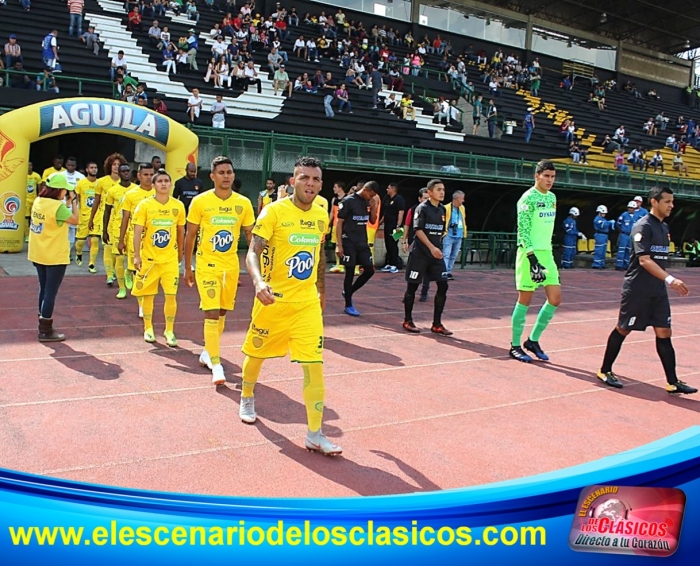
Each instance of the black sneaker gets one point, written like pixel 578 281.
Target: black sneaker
pixel 680 387
pixel 408 326
pixel 440 329
pixel 534 347
pixel 423 298
pixel 609 378
pixel 517 353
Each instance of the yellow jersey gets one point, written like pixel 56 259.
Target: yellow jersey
pixel 220 223
pixel 104 184
pixel 48 233
pixel 160 223
pixel 130 201
pixel 294 243
pixel 50 171
pixel 267 198
pixel 85 189
pixel 114 198
pixel 33 181
pixel 322 202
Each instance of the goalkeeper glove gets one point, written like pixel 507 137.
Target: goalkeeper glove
pixel 537 271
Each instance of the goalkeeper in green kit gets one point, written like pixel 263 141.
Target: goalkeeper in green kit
pixel 534 263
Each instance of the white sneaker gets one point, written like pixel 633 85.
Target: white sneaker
pixel 217 374
pixel 247 410
pixel 317 442
pixel 205 359
pixel 387 268
pixel 394 269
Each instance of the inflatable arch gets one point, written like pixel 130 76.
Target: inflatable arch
pixel 19 128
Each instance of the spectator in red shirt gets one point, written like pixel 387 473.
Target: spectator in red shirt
pixel 135 20
pixel 75 9
pixel 159 106
pixel 281 25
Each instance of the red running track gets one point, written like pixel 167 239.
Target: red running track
pixel 412 412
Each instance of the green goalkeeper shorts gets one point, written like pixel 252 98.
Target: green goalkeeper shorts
pixel 523 281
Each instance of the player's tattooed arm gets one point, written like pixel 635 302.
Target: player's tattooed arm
pixel 321 272
pixel 252 261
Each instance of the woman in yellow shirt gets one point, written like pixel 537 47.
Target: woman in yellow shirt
pixel 49 249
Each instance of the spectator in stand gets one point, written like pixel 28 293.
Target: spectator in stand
pixel 300 48
pixel 672 143
pixel 222 76
pixel 657 162
pixel 218 112
pixel 650 127
pixel 159 106
pixel 274 60
pixel 154 33
pixel 661 121
pixel 192 12
pixel 620 162
pixel 20 81
pixel 164 38
pixel 407 109
pixel 49 49
pixel 328 105
pixel 282 82
pixel 46 81
pixel 140 95
pixel 91 40
pixel 492 118
pixel 392 105
pixel 679 166
pixel 293 17
pixel 193 46
pixel 169 59
pixel 75 9
pixel 135 20
pixel 529 124
pixel 194 105
pixel 343 99
pixel 352 78
pixel 636 159
pixel 118 63
pixel 13 52
pixel 251 76
pixel 620 136
pixel 377 83
pixel 652 94
pixel 129 94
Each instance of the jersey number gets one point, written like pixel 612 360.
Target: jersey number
pixel 413 275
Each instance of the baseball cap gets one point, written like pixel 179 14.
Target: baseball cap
pixel 529 108
pixel 13 36
pixel 58 181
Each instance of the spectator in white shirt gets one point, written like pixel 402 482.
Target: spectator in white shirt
pixel 218 112
pixel 311 50
pixel 164 38
pixel 251 76
pixel 118 62
pixel 300 47
pixel 219 48
pixel 194 105
pixel 154 33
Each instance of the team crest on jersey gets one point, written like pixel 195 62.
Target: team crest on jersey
pixel 211 293
pixel 257 342
pixel 301 265
pixel 321 225
pixel 239 209
pixel 175 211
pixel 139 285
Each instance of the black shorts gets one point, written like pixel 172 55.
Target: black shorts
pixel 638 312
pixel 477 120
pixel 356 255
pixel 418 266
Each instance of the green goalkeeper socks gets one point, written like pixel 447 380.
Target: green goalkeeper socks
pixel 518 319
pixel 543 318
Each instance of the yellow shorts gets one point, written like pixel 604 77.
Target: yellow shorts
pixel 217 288
pixel 371 235
pixel 82 232
pixel 114 242
pixel 279 328
pixel 146 281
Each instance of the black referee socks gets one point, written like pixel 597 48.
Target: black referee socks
pixel 668 358
pixel 612 350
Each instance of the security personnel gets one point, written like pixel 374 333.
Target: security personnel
pixel 602 226
pixel 624 225
pixel 425 257
pixel 641 211
pixel 571 234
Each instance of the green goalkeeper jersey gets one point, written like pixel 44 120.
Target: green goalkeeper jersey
pixel 536 214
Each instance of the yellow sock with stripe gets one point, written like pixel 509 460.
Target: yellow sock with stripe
pixel 146 304
pixel 119 270
pixel 222 324
pixel 79 245
pixel 94 249
pixel 251 371
pixel 108 259
pixel 314 394
pixel 211 339
pixel 170 310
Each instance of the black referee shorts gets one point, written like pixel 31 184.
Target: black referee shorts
pixel 638 312
pixel 356 255
pixel 419 265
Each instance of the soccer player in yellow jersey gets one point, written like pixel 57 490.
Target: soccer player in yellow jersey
pixel 130 201
pixel 112 223
pixel 216 218
pixel 33 181
pixel 85 189
pixel 159 235
pixel 287 264
pixel 57 168
pixel 111 178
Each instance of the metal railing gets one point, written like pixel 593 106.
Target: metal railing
pixel 492 249
pixel 280 151
pixel 60 78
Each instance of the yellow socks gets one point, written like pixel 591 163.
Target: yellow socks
pixel 170 310
pixel 108 260
pixel 79 245
pixel 211 339
pixel 94 250
pixel 146 304
pixel 119 270
pixel 222 324
pixel 251 371
pixel 314 394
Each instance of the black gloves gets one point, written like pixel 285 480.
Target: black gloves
pixel 537 271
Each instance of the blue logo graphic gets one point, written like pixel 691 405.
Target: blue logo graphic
pixel 222 241
pixel 90 201
pixel 300 266
pixel 161 238
pixel 93 114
